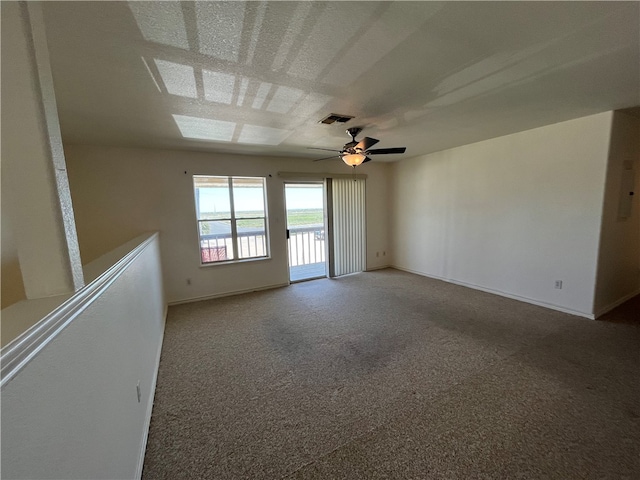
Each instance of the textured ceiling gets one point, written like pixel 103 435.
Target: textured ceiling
pixel 256 77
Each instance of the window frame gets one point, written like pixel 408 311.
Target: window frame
pixel 233 220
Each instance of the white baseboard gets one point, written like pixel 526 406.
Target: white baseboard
pixel 152 393
pixel 381 267
pixel 618 302
pixel 227 294
pixel 551 306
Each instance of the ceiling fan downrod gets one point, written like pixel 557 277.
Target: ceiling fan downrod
pixel 354 132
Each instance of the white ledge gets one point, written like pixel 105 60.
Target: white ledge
pixel 21 316
pixel 18 352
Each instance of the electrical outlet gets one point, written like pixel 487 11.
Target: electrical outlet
pixel 559 284
pixel 188 281
pixel 138 391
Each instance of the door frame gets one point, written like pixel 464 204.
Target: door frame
pixel 326 213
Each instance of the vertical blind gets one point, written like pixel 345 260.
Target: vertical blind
pixel 348 225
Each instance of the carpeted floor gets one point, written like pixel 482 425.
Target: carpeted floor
pixel 392 375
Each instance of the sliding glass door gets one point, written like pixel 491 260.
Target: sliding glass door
pixel 306 230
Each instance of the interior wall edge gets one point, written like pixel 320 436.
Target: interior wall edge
pixel 617 303
pixel 618 255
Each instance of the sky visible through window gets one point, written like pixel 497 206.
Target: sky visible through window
pixel 251 199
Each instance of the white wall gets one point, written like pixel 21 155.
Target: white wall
pixel 73 412
pixel 36 206
pixel 12 286
pixel 619 258
pixel 119 192
pixel 510 215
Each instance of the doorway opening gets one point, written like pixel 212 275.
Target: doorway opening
pixel 306 232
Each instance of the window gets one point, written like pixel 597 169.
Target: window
pixel 232 219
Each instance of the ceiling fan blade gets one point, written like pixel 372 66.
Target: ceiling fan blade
pixel 327 149
pixel 383 151
pixel 367 160
pixel 366 143
pixel 326 158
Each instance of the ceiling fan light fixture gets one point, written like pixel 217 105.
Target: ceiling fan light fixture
pixel 353 159
pixel 357 152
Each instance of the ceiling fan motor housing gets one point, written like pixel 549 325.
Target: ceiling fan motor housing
pixel 354 131
pixel 351 146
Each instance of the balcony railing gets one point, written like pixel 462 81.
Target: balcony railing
pixel 306 245
pixel 219 246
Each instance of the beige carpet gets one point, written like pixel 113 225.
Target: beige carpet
pixel 392 375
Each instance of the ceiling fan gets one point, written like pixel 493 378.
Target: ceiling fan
pixel 355 153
